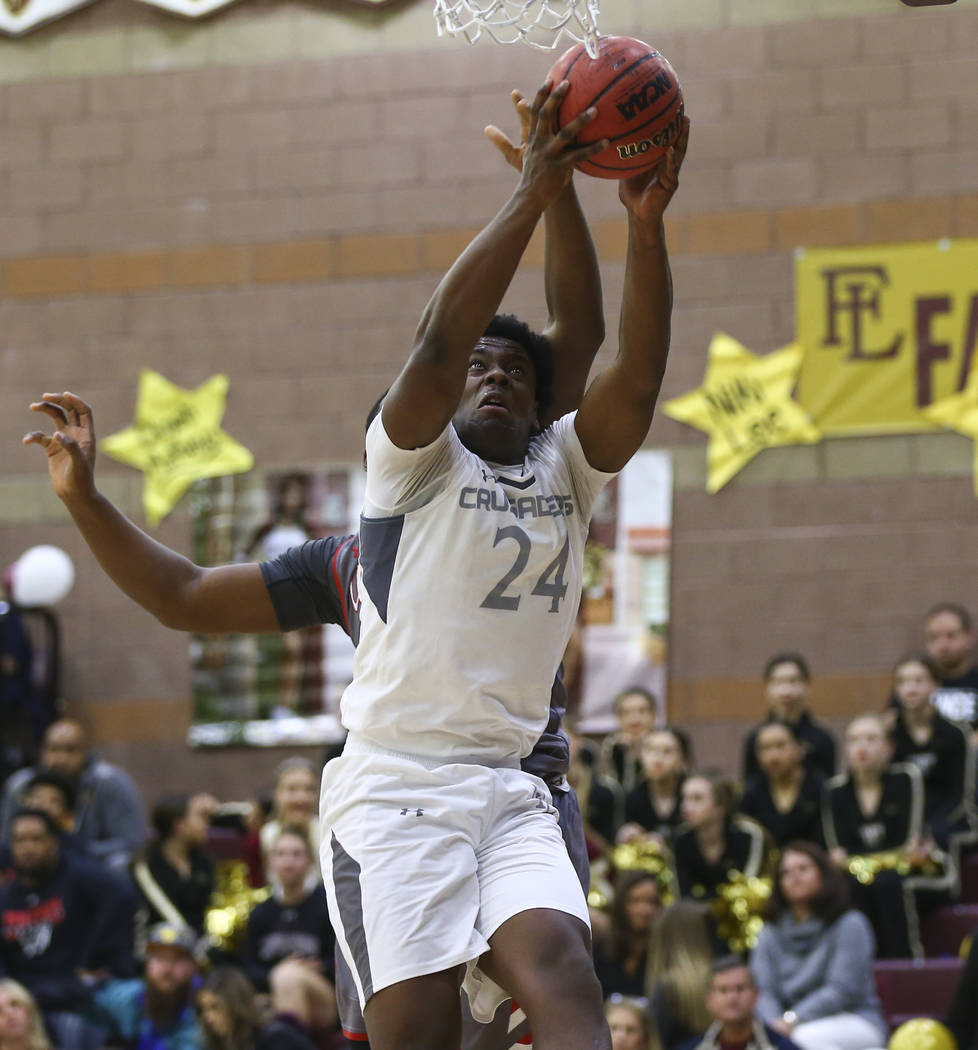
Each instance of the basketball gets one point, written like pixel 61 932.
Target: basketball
pixel 638 98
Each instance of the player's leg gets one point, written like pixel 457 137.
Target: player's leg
pixel 421 1013
pixel 534 914
pixel 543 958
pixel 400 872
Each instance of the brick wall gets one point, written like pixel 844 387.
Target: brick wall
pixel 283 219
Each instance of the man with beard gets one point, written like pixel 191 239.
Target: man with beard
pixel 157 1012
pixel 949 636
pixel 109 818
pixel 61 923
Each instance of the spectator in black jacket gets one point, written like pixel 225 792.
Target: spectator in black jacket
pixel 786 798
pixel 290 942
pixel 60 921
pixel 652 807
pixel 176 878
pixel 937 747
pixel 787 682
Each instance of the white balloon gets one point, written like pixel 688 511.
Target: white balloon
pixel 42 575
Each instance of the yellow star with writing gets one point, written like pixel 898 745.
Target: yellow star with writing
pixel 959 412
pixel 745 405
pixel 176 438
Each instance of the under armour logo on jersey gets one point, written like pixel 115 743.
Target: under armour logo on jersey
pixel 487 475
pixel 416 812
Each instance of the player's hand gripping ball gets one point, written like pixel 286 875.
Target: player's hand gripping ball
pixel 638 98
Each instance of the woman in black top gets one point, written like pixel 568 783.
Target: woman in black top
pixel 786 798
pixel 712 842
pixel 652 807
pixel 177 874
pixel 620 956
pixel 937 747
pixel 876 808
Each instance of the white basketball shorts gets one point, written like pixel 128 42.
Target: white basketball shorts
pixel 423 863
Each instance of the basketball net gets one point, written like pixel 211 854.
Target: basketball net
pixel 540 23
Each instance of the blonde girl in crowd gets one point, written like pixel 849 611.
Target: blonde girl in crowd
pixel 679 973
pixel 872 815
pixel 295 803
pixel 21 1027
pixel 629 1023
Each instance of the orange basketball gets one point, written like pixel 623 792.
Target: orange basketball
pixel 638 98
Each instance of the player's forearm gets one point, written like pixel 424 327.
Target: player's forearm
pixel 646 312
pixel 152 575
pixel 572 281
pixel 469 295
pixel 572 278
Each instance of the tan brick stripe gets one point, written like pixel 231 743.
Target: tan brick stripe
pixel 744 232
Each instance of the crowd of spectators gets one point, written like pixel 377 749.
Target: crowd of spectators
pixel 729 912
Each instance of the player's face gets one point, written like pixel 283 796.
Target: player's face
pixel 866 747
pixel 786 690
pixel 498 411
pixel 801 881
pixel 732 996
pixel 914 685
pixel 661 756
pixel 777 751
pixel 947 641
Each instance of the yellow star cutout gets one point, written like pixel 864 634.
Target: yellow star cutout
pixel 745 405
pixel 176 438
pixel 960 413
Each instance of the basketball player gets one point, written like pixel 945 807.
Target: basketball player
pixel 442 855
pixel 315 583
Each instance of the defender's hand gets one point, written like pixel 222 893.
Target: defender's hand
pixel 502 142
pixel 71 448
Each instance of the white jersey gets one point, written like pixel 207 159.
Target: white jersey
pixel 469 583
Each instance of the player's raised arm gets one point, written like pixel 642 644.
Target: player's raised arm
pixel 616 413
pixel 572 280
pixel 426 393
pixel 177 592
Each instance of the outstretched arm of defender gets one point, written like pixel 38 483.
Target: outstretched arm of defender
pixel 426 393
pixel 177 592
pixel 616 413
pixel 572 279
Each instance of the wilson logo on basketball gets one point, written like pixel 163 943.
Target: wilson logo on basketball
pixel 640 101
pixel 660 140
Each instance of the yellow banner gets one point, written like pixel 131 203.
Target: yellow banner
pixel 885 332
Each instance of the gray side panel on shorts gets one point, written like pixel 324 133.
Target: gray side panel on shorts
pixel 346 881
pixel 348 1001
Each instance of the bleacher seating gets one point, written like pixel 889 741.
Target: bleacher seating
pixel 943 931
pixel 916 988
